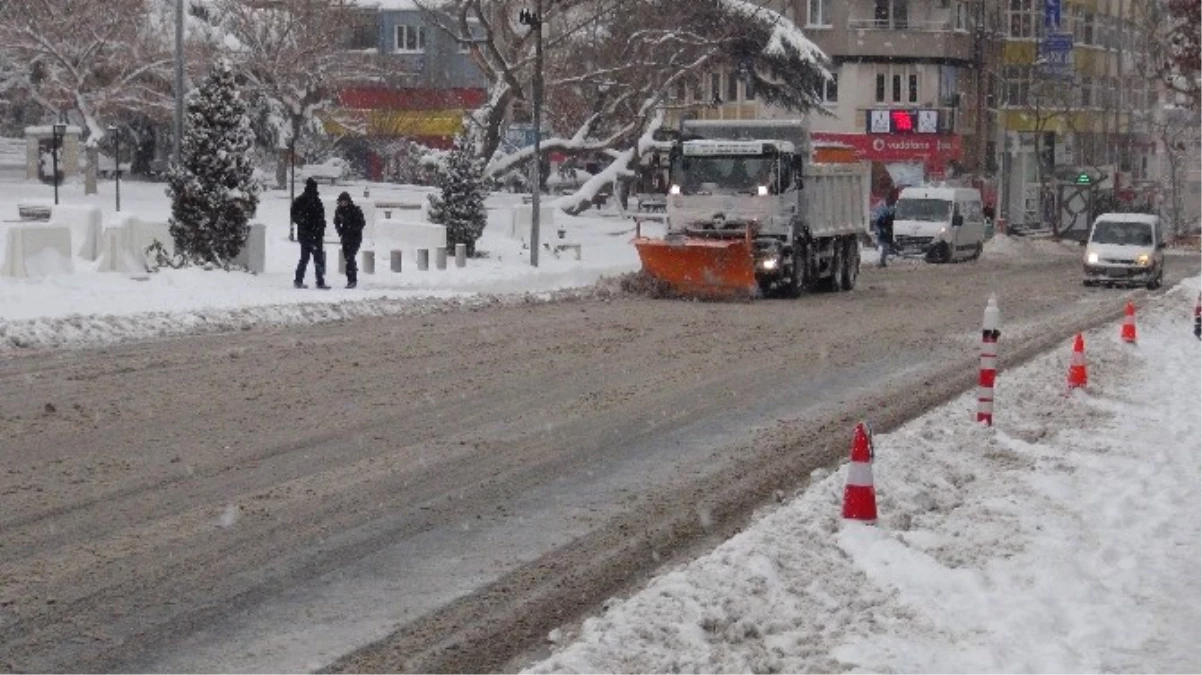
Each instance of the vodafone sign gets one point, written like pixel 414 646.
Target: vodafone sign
pixel 931 150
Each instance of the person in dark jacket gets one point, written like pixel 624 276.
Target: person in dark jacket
pixel 309 215
pixel 349 223
pixel 884 234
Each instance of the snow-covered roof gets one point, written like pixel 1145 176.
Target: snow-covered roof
pixel 389 5
pixel 1129 218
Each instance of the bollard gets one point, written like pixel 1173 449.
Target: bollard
pixel 440 257
pixel 1198 318
pixel 369 262
pixel 394 262
pixel 341 261
pixel 460 255
pixel 988 374
pixel 423 259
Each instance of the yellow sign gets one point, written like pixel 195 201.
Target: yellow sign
pixel 445 123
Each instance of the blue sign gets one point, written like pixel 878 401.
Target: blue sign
pixel 1056 55
pixel 1051 15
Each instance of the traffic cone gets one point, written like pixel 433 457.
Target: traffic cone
pixel 859 496
pixel 1198 318
pixel 1077 377
pixel 1128 333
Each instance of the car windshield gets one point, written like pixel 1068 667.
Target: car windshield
pixel 1122 233
pixel 934 210
pixel 723 174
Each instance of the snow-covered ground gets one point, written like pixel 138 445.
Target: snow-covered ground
pixel 90 307
pixel 1064 539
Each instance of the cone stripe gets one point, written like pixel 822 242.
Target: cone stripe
pixel 859 474
pixel 989 361
pixel 984 393
pixel 985 407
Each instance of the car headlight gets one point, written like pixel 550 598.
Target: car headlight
pixel 675 190
pixel 762 190
pixel 1092 258
pixel 1144 260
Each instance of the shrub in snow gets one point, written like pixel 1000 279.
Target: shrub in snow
pixel 460 207
pixel 213 193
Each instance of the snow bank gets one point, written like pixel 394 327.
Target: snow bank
pixel 1064 539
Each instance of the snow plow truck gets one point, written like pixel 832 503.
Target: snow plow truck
pixel 748 215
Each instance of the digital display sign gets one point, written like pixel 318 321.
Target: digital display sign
pixel 903 121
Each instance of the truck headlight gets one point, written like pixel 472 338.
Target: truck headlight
pixel 674 190
pixel 770 263
pixel 762 190
pixel 1092 258
pixel 1144 260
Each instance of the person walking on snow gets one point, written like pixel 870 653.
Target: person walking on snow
pixel 884 234
pixel 309 215
pixel 349 223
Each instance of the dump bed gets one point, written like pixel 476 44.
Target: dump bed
pixel 835 198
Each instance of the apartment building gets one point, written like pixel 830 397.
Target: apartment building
pixel 911 84
pixel 1075 100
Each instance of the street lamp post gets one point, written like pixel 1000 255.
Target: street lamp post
pixel 291 187
pixel 117 163
pixel 535 21
pixel 179 81
pixel 57 132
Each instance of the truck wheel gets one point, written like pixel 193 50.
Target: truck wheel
pixel 939 253
pixel 791 286
pixel 851 265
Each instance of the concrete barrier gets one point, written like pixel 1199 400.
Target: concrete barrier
pixel 253 255
pixel 124 247
pixel 440 257
pixel 37 251
pixel 410 234
pixel 369 262
pixel 460 255
pixel 521 222
pixel 423 259
pixel 87 228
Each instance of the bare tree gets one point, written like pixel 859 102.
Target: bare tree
pixel 293 55
pixel 1181 64
pixel 614 66
pixel 94 60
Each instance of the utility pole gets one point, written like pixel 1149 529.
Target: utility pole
pixel 179 79
pixel 535 21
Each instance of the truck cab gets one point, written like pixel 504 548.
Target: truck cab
pixel 943 224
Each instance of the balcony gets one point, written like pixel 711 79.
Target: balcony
pixel 873 39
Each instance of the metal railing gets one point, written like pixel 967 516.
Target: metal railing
pixel 903 25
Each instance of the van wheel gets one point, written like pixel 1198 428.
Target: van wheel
pixel 976 254
pixel 1157 282
pixel 851 265
pixel 939 253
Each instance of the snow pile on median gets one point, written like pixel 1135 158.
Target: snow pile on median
pixel 1066 538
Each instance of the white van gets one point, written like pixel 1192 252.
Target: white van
pixel 941 223
pixel 1125 249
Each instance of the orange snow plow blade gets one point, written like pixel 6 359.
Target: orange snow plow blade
pixel 718 268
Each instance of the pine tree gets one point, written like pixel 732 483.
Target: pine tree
pixel 213 193
pixel 461 206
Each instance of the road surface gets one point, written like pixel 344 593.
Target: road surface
pixel 437 492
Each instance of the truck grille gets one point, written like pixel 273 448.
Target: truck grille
pixel 905 242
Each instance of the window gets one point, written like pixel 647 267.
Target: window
pixel 891 14
pixel 1087 33
pixel 961 16
pixel 819 13
pixel 732 87
pixel 715 87
pixel 1023 18
pixel 897 84
pixel 1018 86
pixel 749 89
pixel 362 35
pixel 698 91
pixel 1087 99
pixel 830 88
pixel 411 39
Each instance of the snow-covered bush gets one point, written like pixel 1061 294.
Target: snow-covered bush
pixel 214 194
pixel 460 207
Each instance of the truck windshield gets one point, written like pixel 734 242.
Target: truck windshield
pixel 722 174
pixel 1122 234
pixel 934 210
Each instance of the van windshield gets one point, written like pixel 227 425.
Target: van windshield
pixel 1122 233
pixel 934 210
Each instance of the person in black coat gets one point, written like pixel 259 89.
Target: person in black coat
pixel 309 215
pixel 349 223
pixel 884 233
